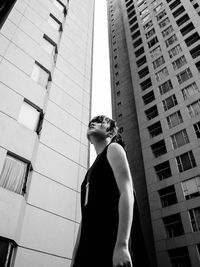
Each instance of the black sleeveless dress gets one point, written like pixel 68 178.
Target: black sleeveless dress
pixel 99 206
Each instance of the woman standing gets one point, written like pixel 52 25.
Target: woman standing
pixel 106 202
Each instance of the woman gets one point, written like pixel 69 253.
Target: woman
pixel 106 202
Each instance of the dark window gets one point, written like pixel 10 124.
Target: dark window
pixel 151 112
pixel 130 9
pixel 174 119
pixel 179 257
pixel 148 98
pixel 159 148
pixel 174 4
pixel 5 8
pixel 165 87
pixel 148 25
pixel 173 225
pixel 139 52
pixel 129 3
pixel 198 65
pixel 163 170
pixel 146 84
pixel 152 42
pixel 182 19
pixel 168 196
pixel 178 11
pixel 186 161
pixel 161 15
pixel 142 73
pixel 197 129
pixel 188 28
pixel 192 39
pixel 195 52
pixel 134 27
pixel 132 21
pixel 141 61
pixel 7 250
pixel 155 129
pixel 137 43
pixel 135 35
pixel 130 15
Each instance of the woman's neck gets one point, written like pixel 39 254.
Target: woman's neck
pixel 100 145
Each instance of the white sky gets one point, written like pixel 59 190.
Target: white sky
pixel 101 94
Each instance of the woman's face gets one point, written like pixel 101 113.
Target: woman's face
pixel 98 127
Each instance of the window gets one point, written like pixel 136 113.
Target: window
pixel 182 20
pixel 139 52
pixel 155 52
pixel 198 65
pixel 175 4
pixel 178 11
pixel 171 40
pixel 164 22
pixel 163 170
pixel 150 33
pixel 179 139
pixel 133 20
pixel 173 225
pixel 40 74
pixel 152 42
pixel 188 28
pixel 5 8
pixel 130 15
pixel 134 27
pixel 144 11
pixel 174 119
pixel 151 112
pixel 192 39
pixel 55 23
pixel 143 72
pixel 194 109
pixel 168 196
pixel 141 61
pixel 49 45
pixel 158 7
pixel 190 90
pixel 137 43
pixel 158 62
pixel 191 187
pixel 155 129
pixel 160 75
pixel 159 148
pixel 118 93
pixel 148 98
pixel 186 161
pixel 7 247
pixel 179 62
pixel 31 116
pixel 148 25
pixel 165 87
pixel 161 15
pixel 175 51
pixel 60 6
pixel 146 84
pixel 167 31
pixel 195 52
pixel 197 129
pixel 169 102
pixel 130 9
pixel 14 173
pixel 145 18
pixel 184 75
pixel 195 219
pixel 135 35
pixel 179 257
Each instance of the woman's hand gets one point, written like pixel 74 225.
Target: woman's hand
pixel 121 257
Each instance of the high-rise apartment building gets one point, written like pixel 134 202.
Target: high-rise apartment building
pixel 45 92
pixel 155 79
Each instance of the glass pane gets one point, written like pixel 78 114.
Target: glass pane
pixel 39 75
pixel 29 116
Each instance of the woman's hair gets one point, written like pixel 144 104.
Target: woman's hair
pixel 112 129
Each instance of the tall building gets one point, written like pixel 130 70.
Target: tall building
pixel 155 65
pixel 45 91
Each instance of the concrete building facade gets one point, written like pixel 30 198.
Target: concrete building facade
pixel 155 65
pixel 45 101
